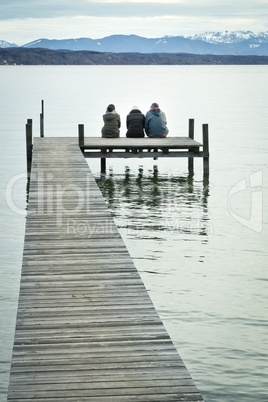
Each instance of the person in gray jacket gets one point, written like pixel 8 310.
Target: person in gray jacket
pixel 112 123
pixel 156 122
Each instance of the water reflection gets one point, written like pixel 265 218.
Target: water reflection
pixel 153 201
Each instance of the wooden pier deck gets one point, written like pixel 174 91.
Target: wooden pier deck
pixel 86 328
pixel 178 147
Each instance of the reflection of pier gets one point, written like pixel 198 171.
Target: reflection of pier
pixel 176 147
pixel 86 328
pixel 169 203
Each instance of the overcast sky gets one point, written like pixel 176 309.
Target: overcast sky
pixel 22 21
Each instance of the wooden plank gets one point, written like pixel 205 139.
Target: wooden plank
pixel 144 398
pixel 138 143
pixel 86 328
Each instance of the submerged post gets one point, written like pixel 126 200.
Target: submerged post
pixel 81 135
pixel 191 135
pixel 205 150
pixel 29 144
pixel 42 119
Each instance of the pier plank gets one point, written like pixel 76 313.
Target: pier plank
pixel 140 143
pixel 86 328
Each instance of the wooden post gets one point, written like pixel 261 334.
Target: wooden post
pixel 42 119
pixel 205 150
pixel 29 144
pixel 191 135
pixel 81 135
pixel 103 165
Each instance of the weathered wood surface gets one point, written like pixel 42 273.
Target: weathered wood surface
pixel 86 328
pixel 123 143
pixel 170 147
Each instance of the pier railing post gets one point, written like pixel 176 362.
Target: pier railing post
pixel 205 150
pixel 42 119
pixel 81 135
pixel 191 135
pixel 29 144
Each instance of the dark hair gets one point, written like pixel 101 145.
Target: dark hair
pixel 155 105
pixel 110 108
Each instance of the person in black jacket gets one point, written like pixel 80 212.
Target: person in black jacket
pixel 135 123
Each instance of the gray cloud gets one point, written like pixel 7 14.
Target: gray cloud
pixel 16 9
pixel 28 20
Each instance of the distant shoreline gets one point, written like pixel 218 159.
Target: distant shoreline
pixel 41 56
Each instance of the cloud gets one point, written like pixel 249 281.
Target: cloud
pixel 17 9
pixel 22 22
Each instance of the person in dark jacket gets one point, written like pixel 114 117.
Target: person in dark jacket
pixel 156 122
pixel 112 123
pixel 135 123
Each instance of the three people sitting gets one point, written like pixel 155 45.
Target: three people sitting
pixel 154 123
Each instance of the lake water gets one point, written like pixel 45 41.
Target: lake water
pixel 200 247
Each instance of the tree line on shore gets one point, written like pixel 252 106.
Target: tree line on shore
pixel 40 56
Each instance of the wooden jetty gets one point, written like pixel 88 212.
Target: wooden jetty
pixel 123 147
pixel 86 328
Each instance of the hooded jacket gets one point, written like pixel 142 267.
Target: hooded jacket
pixel 112 124
pixel 135 124
pixel 156 123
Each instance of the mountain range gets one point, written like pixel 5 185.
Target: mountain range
pixel 215 43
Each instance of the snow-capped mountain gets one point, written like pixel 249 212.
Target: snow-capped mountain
pixel 4 44
pixel 214 43
pixel 231 37
pixel 217 43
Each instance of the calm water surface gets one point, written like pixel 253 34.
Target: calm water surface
pixel 200 246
